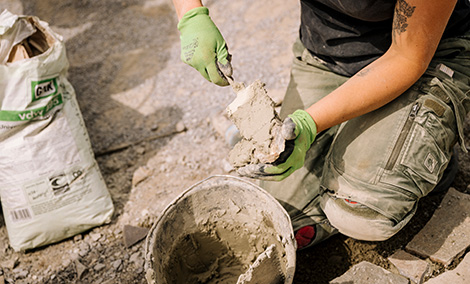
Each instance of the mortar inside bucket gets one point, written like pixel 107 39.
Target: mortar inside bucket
pixel 221 230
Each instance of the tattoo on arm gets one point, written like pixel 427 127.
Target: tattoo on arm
pixel 363 72
pixel 403 11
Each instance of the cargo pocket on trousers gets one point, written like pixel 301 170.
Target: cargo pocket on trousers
pixel 424 161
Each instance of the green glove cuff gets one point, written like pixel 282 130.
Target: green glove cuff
pixel 305 124
pixel 191 14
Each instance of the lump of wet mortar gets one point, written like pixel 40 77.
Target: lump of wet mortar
pixel 218 230
pixel 201 257
pixel 253 112
pixel 265 270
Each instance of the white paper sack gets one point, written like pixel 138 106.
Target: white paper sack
pixel 50 184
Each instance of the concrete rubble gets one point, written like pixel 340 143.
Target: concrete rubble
pixel 459 275
pixel 133 234
pixel 444 240
pixel 447 235
pixel 366 273
pixel 410 266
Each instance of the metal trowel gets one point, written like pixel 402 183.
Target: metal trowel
pixel 226 71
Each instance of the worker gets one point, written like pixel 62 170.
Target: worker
pixel 378 95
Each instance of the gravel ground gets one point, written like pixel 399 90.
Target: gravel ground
pixel 149 120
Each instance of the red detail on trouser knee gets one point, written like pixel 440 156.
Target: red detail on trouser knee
pixel 350 201
pixel 304 236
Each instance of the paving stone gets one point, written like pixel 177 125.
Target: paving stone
pixel 410 266
pixel 133 235
pixel 447 234
pixel 367 273
pixel 460 275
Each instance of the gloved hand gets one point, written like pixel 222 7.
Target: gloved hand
pixel 202 45
pixel 299 130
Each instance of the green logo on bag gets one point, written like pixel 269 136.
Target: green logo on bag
pixel 43 89
pixel 26 115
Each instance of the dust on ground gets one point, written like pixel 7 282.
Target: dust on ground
pixel 148 119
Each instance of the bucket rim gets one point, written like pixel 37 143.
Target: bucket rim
pixel 150 243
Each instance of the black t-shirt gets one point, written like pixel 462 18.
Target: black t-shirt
pixel 349 34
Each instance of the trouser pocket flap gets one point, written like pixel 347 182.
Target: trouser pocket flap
pixel 424 161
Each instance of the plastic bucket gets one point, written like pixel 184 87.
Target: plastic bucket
pixel 215 231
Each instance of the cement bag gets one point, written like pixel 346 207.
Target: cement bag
pixel 50 184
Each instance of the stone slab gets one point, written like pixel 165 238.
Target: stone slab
pixel 367 273
pixel 460 275
pixel 447 234
pixel 133 234
pixel 410 266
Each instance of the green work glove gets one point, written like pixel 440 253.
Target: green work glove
pixel 202 45
pixel 299 131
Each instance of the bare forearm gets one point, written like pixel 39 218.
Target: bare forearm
pixel 417 30
pixel 374 86
pixel 183 6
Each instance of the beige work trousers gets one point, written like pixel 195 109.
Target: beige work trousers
pixel 364 177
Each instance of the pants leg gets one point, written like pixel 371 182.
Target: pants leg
pixel 299 193
pixel 386 160
pixel 365 177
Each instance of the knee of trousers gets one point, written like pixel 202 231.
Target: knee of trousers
pixel 358 221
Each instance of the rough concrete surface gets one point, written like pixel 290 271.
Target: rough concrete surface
pixel 447 234
pixel 146 110
pixel 410 266
pixel 460 275
pixel 366 273
pixel 133 235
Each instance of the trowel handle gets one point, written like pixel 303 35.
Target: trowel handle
pixel 225 70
